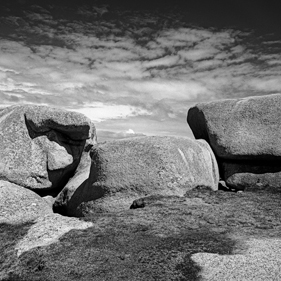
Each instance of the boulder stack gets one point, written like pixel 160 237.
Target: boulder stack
pixel 41 146
pixel 54 153
pixel 245 135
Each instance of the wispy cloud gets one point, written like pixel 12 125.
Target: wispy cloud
pixel 115 67
pixel 99 111
pixel 104 135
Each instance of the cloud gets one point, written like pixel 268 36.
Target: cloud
pixel 130 132
pixel 159 89
pixel 99 111
pixel 272 42
pixel 265 84
pixel 164 61
pixel 104 135
pixel 197 54
pixel 121 67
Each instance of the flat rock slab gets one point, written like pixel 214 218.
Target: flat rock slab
pixel 47 230
pixel 240 129
pixel 19 205
pixel 40 145
pixel 260 262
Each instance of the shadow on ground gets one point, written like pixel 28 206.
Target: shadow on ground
pixel 154 242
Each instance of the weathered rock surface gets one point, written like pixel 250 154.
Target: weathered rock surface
pixel 240 129
pixel 252 176
pixel 41 146
pixel 77 189
pixel 124 170
pixel 245 136
pixel 260 262
pixel 47 230
pixel 19 205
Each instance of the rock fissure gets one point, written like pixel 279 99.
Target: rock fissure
pixel 41 147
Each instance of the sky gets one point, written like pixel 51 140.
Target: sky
pixel 136 68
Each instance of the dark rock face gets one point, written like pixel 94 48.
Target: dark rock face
pixel 41 146
pixel 245 135
pixel 252 176
pixel 124 170
pixel 77 188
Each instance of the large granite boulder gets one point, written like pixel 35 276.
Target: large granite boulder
pixel 245 135
pixel 124 170
pixel 41 146
pixel 240 129
pixel 19 205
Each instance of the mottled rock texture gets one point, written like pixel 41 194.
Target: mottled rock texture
pixel 240 129
pixel 47 230
pixel 41 146
pixel 124 170
pixel 19 205
pixel 245 135
pixel 260 262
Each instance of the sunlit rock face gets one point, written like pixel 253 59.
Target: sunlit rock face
pixel 245 135
pixel 19 205
pixel 41 146
pixel 124 170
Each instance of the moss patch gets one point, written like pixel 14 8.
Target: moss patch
pixel 9 236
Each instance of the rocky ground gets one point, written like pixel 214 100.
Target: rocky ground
pixel 168 238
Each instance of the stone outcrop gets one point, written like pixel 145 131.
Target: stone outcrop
pixel 19 205
pixel 245 135
pixel 240 129
pixel 41 146
pixel 124 170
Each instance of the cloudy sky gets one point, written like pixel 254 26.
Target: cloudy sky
pixel 137 68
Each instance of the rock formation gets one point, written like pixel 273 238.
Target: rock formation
pixel 54 152
pixel 41 146
pixel 20 205
pixel 245 136
pixel 124 170
pixel 77 189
